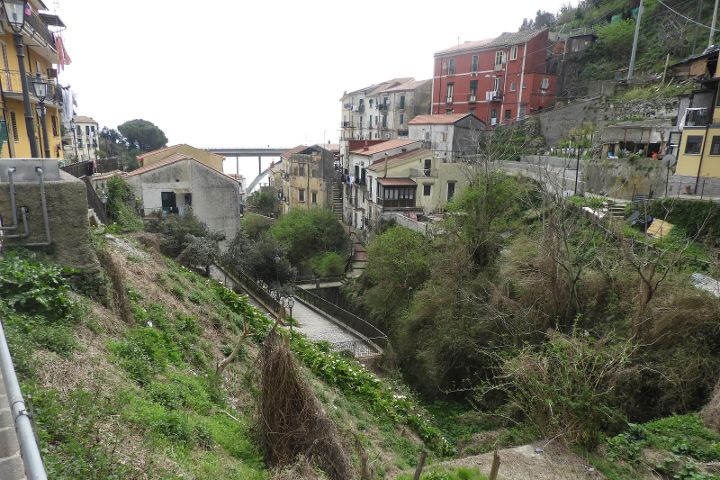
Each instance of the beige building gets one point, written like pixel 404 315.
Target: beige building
pixel 304 178
pixel 203 156
pixel 82 139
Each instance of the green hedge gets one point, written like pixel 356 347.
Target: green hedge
pixel 699 218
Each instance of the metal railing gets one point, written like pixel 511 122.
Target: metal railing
pixel 254 288
pixel 424 172
pixel 12 84
pixel 88 168
pixel 357 348
pixel 363 327
pixel 29 449
pixel 38 26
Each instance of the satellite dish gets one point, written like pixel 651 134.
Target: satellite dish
pixel 669 161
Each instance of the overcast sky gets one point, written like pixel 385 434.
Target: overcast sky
pixel 247 74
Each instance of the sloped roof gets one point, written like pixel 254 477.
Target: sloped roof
pixel 287 154
pixel 439 119
pixel 147 154
pixel 176 157
pixel 505 39
pixel 397 182
pixel 83 119
pixel 411 84
pixel 379 165
pixel 381 147
pixel 376 88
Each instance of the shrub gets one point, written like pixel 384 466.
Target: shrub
pixel 698 218
pixel 121 205
pixel 328 264
pixel 307 232
pixel 178 231
pixel 565 389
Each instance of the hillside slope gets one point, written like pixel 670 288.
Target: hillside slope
pixel 139 399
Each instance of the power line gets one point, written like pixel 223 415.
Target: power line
pixel 683 16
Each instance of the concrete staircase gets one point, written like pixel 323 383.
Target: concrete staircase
pixel 615 209
pixel 337 201
pixel 11 464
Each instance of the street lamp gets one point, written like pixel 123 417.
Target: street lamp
pixel 15 15
pixel 288 303
pixel 41 90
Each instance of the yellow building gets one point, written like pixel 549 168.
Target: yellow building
pixel 307 178
pixel 212 160
pixel 698 152
pixel 39 55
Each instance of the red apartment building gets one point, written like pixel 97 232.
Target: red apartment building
pixel 500 80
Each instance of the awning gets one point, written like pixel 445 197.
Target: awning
pixel 51 20
pixel 396 182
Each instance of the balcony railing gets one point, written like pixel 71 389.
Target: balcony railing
pixel 35 24
pixel 396 203
pixel 424 172
pixel 493 96
pixel 472 98
pixel 697 117
pixel 10 80
pixel 383 107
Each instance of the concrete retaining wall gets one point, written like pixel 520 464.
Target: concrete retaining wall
pixel 68 216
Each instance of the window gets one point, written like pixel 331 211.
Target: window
pixel 79 130
pixel 427 167
pixel 513 52
pixel 301 195
pixel 545 83
pixel 450 191
pixel 301 169
pixel 474 63
pixel 693 144
pixel 496 84
pixel 493 113
pixel 314 197
pixel 371 103
pixel 402 101
pixel 13 124
pixel 87 130
pixel 524 85
pixel 427 189
pixel 449 111
pixel 715 145
pixel 473 87
pixel 508 114
pixel 499 58
pixel 376 120
pixel 384 122
pixel 450 91
pixel 427 136
pixel 451 66
pixel 523 111
pixel 54 123
pixel 402 119
pixel 512 86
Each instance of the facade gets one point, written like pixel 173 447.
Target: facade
pixel 179 184
pixel 500 80
pixel 450 137
pixel 212 160
pixel 39 55
pixel 82 142
pixel 413 183
pixel 382 111
pixel 355 196
pixel 304 178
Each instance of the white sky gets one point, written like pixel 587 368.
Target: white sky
pixel 236 73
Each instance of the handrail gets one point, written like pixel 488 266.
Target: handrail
pixel 29 449
pixel 365 328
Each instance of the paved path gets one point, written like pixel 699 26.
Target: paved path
pixel 315 325
pixel 11 464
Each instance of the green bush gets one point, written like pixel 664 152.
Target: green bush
pixel 699 218
pixel 328 264
pixel 307 232
pixel 456 474
pixel 121 205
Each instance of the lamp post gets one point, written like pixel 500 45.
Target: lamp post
pixel 15 14
pixel 41 90
pixel 288 303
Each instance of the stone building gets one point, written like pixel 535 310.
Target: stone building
pixel 304 178
pixel 212 160
pixel 450 137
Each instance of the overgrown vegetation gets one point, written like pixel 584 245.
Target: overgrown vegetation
pixel 122 206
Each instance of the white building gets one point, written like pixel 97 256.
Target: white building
pixel 356 188
pixel 180 183
pixel 82 142
pixel 450 137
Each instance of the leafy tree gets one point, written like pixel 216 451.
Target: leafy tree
pixel 111 144
pixel 268 261
pixel 143 135
pixel 615 39
pixel 201 251
pixel 264 203
pixel 255 225
pixel 307 232
pixel 121 205
pixel 178 231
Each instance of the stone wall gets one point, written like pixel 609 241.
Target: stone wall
pixel 68 217
pixel 623 179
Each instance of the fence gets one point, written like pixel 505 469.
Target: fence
pixel 257 291
pixel 357 348
pixel 363 327
pixel 94 201
pixel 88 168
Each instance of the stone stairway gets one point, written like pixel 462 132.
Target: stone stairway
pixel 11 464
pixel 615 209
pixel 337 201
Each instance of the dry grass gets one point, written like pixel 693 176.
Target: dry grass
pixel 291 420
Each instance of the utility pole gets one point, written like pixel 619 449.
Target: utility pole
pixel 712 25
pixel 631 69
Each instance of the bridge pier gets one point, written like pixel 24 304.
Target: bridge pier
pixel 259 165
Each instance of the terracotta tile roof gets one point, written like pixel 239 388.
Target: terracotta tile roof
pixel 176 157
pixel 438 119
pixel 379 165
pixel 396 182
pixel 293 151
pixel 83 119
pixel 376 88
pixel 146 154
pixel 381 147
pixel 505 39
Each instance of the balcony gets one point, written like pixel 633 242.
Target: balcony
pixel 383 107
pixel 449 100
pixel 697 117
pixel 360 108
pixel 346 125
pixel 35 25
pixel 423 172
pixel 472 98
pixel 396 203
pixel 403 133
pixel 493 96
pixel 12 86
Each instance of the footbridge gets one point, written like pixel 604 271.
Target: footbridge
pixel 317 318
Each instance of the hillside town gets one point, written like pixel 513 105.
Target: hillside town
pixel 508 268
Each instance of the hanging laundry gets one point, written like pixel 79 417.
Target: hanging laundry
pixel 28 9
pixel 67 107
pixel 62 56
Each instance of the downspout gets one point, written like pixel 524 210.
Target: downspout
pixel 522 80
pixel 502 102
